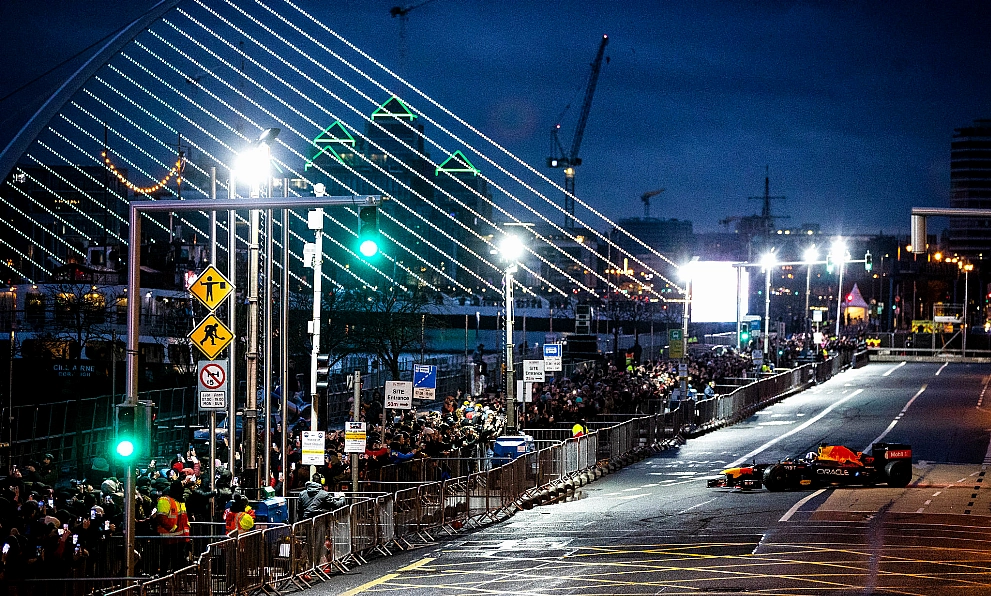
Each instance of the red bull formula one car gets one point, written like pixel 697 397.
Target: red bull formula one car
pixel 888 463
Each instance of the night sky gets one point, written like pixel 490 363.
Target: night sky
pixel 851 105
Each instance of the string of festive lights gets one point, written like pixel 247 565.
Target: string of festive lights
pixel 454 116
pixel 373 123
pixel 176 170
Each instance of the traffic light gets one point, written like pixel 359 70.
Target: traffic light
pixel 323 373
pixel 868 261
pixel 368 231
pixel 744 337
pixel 133 432
pixel 829 263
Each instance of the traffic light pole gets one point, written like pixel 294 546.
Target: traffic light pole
pixel 138 207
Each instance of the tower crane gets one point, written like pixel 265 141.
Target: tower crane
pixel 645 197
pixel 403 13
pixel 570 160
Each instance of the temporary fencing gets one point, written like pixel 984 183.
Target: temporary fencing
pixel 272 558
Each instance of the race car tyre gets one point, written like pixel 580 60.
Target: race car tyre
pixel 899 473
pixel 775 479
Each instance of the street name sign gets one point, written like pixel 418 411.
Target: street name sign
pixel 211 287
pixel 399 395
pixel 211 336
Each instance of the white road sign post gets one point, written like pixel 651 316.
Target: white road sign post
pixel 399 395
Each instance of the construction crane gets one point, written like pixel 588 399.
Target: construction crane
pixel 645 197
pixel 570 160
pixel 403 13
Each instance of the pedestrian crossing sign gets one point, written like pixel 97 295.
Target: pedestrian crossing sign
pixel 211 336
pixel 211 287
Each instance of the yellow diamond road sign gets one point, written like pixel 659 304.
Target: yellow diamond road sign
pixel 211 336
pixel 211 287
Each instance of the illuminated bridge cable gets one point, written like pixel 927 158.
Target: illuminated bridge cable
pixel 319 65
pixel 351 169
pixel 35 242
pixel 247 119
pixel 386 153
pixel 275 118
pixel 57 217
pixel 426 262
pixel 553 204
pixel 57 260
pixel 315 124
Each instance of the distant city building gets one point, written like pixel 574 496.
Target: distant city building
pixel 970 186
pixel 670 237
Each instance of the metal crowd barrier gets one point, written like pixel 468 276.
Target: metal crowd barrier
pixel 283 556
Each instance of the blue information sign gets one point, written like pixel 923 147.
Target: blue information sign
pixel 552 350
pixel 424 381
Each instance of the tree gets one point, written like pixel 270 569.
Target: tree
pixel 389 324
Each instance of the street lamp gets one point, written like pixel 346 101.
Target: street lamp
pixel 685 272
pixel 253 166
pixel 967 268
pixel 767 262
pixel 810 257
pixel 839 254
pixel 511 248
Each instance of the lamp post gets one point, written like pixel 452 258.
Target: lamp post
pixel 767 262
pixel 967 268
pixel 511 249
pixel 254 167
pixel 685 272
pixel 810 257
pixel 839 255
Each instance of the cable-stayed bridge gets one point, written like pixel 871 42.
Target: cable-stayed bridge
pixel 189 85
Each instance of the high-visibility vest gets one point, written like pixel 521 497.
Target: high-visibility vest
pixel 242 521
pixel 172 518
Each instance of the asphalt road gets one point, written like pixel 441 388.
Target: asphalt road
pixel 653 527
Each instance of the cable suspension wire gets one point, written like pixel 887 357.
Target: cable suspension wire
pixel 382 170
pixel 267 112
pixel 422 135
pixel 58 260
pixel 24 257
pixel 484 137
pixel 54 215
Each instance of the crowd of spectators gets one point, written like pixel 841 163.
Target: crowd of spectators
pixel 54 529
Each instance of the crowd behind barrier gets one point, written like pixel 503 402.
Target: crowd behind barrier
pixel 284 556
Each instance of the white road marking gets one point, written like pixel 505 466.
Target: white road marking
pixel 945 364
pixel 893 368
pixel 928 502
pixel 694 506
pixel 799 428
pixel 626 490
pixel 628 497
pixel 937 493
pixel 980 398
pixel 920 510
pixel 776 423
pixel 649 485
pixel 799 504
pixel 897 418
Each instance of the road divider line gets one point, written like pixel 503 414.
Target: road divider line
pixel 694 506
pixel 897 418
pixel 798 505
pixel 371 584
pixel 894 368
pixel 417 564
pixel 945 364
pixel 980 398
pixel 798 428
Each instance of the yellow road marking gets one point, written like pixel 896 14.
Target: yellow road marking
pixel 371 584
pixel 418 564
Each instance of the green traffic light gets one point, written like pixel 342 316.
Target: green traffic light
pixel 125 448
pixel 369 248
